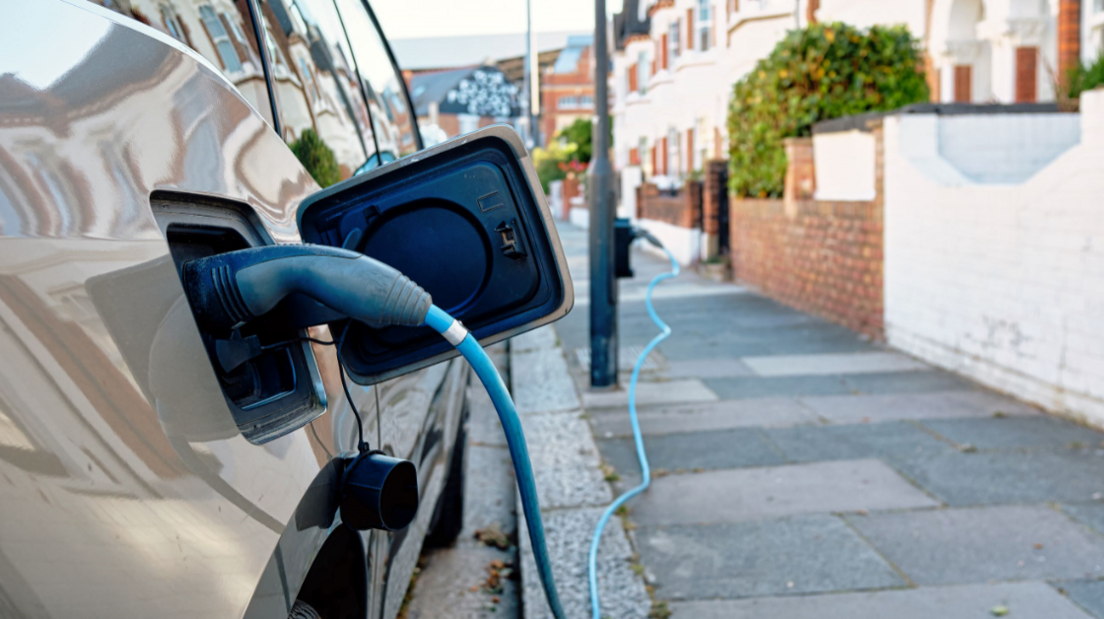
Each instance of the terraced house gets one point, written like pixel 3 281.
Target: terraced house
pixel 676 61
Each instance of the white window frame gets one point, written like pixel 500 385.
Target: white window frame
pixel 642 73
pixel 567 102
pixel 705 25
pixel 219 36
pixel 674 29
pixel 585 101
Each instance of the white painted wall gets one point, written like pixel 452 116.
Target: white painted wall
pixel 844 165
pixel 684 243
pixel 631 178
pixel 1006 148
pixel 1002 283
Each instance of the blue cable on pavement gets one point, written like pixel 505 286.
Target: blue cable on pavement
pixel 469 347
pixel 665 331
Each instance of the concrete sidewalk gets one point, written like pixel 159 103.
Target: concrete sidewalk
pixel 802 471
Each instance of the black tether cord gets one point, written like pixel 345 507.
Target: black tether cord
pixel 362 446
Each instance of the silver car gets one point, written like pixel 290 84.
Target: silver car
pixel 138 478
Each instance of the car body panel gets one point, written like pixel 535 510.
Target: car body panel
pixel 103 511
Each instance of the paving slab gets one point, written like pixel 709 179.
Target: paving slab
pixel 1090 514
pixel 853 363
pixel 1016 432
pixel 444 587
pixel 723 449
pixel 1088 594
pixel 747 387
pixel 1029 600
pixel 1001 478
pixel 788 556
pixel 977 545
pixel 626 359
pixel 907 382
pixel 893 407
pixel 723 415
pixel 568 533
pixel 707 368
pixel 547 384
pixel 889 441
pixel 651 393
pixel 770 492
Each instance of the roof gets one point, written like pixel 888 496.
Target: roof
pixel 568 60
pixel 632 20
pixel 481 91
pixel 470 50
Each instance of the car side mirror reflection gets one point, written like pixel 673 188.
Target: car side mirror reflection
pixel 466 220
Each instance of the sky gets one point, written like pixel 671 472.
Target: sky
pixel 412 19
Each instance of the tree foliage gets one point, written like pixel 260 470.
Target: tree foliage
pixel 822 72
pixel 317 158
pixel 579 133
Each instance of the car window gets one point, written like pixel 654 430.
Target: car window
pixel 219 30
pixel 323 112
pixel 391 116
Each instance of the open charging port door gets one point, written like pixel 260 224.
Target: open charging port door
pixel 467 220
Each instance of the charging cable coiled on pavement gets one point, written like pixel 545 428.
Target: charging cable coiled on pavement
pixel 642 456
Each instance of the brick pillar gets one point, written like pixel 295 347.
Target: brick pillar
pixel 714 186
pixel 1069 36
pixel 800 171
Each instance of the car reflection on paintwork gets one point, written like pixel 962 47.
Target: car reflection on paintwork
pixel 126 487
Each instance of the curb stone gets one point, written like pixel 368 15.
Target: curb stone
pixel 572 489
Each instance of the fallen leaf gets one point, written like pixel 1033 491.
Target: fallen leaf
pixel 999 611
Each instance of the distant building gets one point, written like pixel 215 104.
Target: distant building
pixel 459 101
pixel 567 88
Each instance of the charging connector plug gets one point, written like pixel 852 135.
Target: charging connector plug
pixel 230 289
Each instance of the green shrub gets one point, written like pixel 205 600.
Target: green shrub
pixel 547 162
pixel 579 134
pixel 317 158
pixel 822 72
pixel 1084 78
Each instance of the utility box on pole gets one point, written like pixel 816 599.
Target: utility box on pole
pixel 603 283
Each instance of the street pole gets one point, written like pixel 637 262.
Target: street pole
pixel 533 71
pixel 526 102
pixel 603 284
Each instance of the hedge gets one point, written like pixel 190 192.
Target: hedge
pixel 822 72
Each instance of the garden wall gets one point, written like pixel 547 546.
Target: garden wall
pixel 823 257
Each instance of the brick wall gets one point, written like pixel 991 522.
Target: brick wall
pixel 683 209
pixel 825 259
pixel 818 256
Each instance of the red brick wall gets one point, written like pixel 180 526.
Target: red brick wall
pixel 683 209
pixel 821 257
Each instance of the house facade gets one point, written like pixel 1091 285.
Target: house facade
pixel 567 87
pixel 675 63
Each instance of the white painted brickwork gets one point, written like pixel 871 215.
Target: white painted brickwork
pixel 1003 283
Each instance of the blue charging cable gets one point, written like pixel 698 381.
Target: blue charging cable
pixel 469 347
pixel 455 333
pixel 665 331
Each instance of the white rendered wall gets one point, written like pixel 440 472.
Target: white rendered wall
pixel 844 165
pixel 1002 283
pixel 684 243
pixel 1006 148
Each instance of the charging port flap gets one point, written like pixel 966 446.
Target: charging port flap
pixel 467 221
